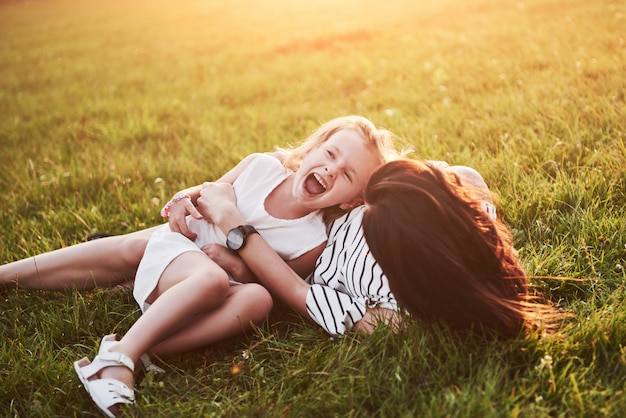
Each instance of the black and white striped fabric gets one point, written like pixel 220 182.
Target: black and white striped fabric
pixel 347 279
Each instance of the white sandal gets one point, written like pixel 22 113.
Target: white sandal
pixel 105 392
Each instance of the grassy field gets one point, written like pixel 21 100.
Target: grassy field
pixel 108 108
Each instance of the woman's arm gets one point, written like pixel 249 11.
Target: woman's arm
pixel 239 271
pixel 217 204
pixel 230 262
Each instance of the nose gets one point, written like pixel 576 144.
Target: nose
pixel 330 172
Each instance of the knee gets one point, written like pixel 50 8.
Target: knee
pixel 469 176
pixel 213 283
pixel 259 301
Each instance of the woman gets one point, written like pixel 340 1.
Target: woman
pixel 432 230
pixel 447 260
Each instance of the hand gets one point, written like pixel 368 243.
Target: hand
pixel 230 262
pixel 374 316
pixel 216 201
pixel 178 213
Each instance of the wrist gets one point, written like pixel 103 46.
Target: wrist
pixel 230 219
pixel 165 212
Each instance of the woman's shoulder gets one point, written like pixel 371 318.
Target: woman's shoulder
pixel 347 223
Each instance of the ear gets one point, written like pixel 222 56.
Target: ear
pixel 351 204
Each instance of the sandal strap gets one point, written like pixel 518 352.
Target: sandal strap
pixel 119 359
pixel 116 391
pixel 108 392
pixel 116 358
pixel 112 360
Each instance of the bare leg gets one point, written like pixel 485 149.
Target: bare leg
pixel 245 304
pixel 105 261
pixel 190 286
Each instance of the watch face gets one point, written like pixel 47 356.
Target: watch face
pixel 235 239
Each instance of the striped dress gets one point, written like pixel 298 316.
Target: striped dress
pixel 347 279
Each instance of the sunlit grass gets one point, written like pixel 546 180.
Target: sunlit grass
pixel 108 108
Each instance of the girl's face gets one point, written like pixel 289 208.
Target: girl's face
pixel 336 172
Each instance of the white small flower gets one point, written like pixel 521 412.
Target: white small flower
pixel 546 362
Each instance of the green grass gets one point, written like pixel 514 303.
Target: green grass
pixel 98 100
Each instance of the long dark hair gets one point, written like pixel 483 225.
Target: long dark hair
pixel 446 259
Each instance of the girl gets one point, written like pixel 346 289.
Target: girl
pixel 289 208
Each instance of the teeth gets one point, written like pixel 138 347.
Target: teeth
pixel 319 180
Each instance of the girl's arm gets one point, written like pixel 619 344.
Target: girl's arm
pixel 179 208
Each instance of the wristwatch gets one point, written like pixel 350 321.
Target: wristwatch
pixel 236 238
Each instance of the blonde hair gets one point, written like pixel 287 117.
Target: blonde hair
pixel 381 141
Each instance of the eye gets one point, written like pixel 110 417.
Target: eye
pixel 348 176
pixel 330 154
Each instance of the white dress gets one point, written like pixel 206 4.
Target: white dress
pixel 290 238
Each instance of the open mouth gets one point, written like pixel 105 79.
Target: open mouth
pixel 314 184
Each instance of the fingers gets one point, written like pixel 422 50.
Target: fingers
pixel 192 210
pixel 177 217
pixel 218 205
pixel 184 229
pixel 180 225
pixel 218 190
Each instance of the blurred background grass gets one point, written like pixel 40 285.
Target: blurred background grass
pixel 108 108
